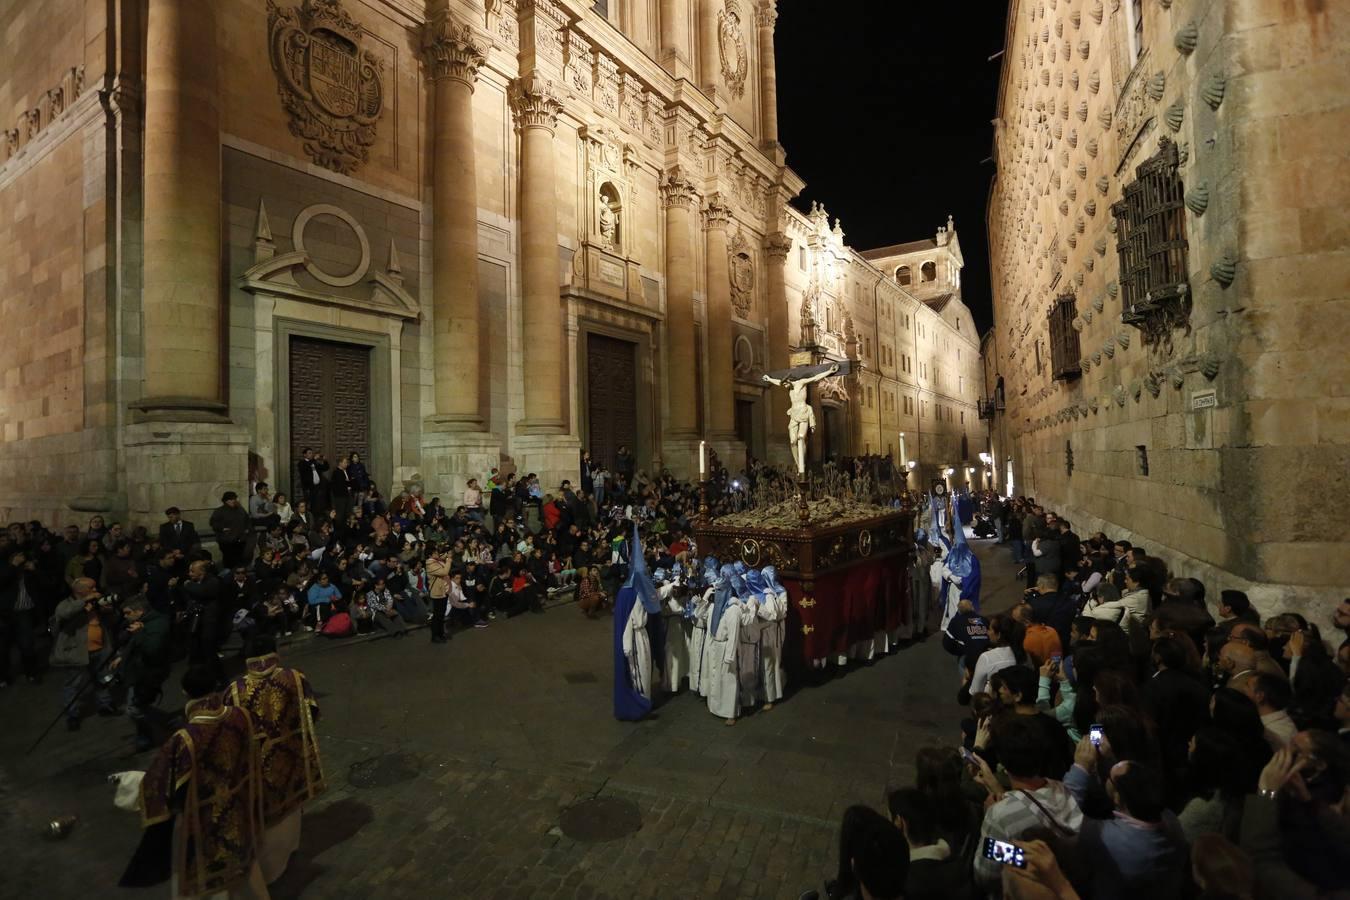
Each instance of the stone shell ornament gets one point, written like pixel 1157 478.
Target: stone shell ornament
pixel 1109 348
pixel 1091 147
pixel 1123 339
pixel 1213 90
pixel 1197 198
pixel 1186 38
pixel 1094 82
pixel 1224 270
pixel 1099 302
pixel 1112 288
pixel 1156 86
pixel 1175 115
pixel 1104 117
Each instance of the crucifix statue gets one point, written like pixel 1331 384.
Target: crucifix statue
pixel 801 417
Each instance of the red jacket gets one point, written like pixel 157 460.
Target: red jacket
pixel 552 515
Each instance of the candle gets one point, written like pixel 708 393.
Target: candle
pixel 702 460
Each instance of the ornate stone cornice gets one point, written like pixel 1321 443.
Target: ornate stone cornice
pixel 777 245
pixel 716 213
pixel 676 190
pixel 535 102
pixel 451 50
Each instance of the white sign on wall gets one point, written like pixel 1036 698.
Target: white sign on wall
pixel 1204 399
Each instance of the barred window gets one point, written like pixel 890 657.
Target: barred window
pixel 1063 338
pixel 1151 242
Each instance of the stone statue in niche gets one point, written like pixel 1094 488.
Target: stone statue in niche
pixel 608 217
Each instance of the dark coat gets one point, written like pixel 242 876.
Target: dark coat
pixel 230 524
pixel 184 538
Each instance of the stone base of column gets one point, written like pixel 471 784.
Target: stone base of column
pixel 553 457
pixel 679 454
pixel 453 422
pixel 183 464
pixel 451 457
pixel 730 450
pixel 180 409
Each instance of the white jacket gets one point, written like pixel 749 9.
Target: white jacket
pixel 1130 610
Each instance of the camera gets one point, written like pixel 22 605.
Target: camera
pixel 1005 852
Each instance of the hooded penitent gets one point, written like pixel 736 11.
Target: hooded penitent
pixel 723 596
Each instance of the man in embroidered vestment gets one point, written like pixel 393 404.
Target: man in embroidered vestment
pixel 205 777
pixel 284 711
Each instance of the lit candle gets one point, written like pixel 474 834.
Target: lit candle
pixel 702 460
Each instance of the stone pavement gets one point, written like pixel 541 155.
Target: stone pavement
pixel 449 768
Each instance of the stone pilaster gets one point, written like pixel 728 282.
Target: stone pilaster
pixel 777 246
pixel 182 240
pixel 536 106
pixel 675 38
pixel 721 401
pixel 453 56
pixel 709 68
pixel 677 197
pixel 766 16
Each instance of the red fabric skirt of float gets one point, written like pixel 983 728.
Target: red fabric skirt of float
pixel 843 609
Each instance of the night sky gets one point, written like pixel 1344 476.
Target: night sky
pixel 884 109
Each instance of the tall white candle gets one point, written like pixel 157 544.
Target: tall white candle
pixel 702 460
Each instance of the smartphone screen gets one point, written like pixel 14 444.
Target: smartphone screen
pixel 1095 735
pixel 1005 852
pixel 969 757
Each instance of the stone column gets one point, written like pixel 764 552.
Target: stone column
pixel 677 196
pixel 536 107
pixel 709 68
pixel 453 58
pixel 766 16
pixel 182 303
pixel 776 247
pixel 721 400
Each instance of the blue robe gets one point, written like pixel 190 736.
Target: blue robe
pixel 629 704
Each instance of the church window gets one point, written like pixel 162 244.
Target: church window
pixel 902 275
pixel 928 272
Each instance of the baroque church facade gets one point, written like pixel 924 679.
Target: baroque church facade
pixel 447 235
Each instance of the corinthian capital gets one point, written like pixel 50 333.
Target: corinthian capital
pixel 715 212
pixel 676 190
pixel 777 245
pixel 767 13
pixel 452 50
pixel 535 102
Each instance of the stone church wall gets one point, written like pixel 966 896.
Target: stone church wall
pixel 1241 410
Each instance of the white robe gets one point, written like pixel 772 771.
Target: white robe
pixel 723 674
pixel 675 666
pixel 772 615
pixel 747 653
pixel 637 649
pixel 700 656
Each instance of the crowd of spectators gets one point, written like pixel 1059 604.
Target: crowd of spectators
pixel 107 603
pixel 1121 742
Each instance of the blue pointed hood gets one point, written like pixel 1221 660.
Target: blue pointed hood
pixel 770 574
pixel 754 580
pixel 722 597
pixel 638 579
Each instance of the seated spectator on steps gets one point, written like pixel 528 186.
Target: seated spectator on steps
pixel 934 873
pixel 1039 640
pixel 1234 607
pixel 1031 805
pixel 1140 851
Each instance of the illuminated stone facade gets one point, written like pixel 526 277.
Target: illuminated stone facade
pixel 451 208
pixel 1203 411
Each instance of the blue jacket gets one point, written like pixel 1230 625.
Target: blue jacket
pixel 1127 858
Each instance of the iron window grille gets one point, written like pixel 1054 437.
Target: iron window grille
pixel 1064 350
pixel 1151 242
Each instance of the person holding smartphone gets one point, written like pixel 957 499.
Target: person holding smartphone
pixel 1032 804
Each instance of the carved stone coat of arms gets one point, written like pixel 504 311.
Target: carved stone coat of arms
pixel 332 89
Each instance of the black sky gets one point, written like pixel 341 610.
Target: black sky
pixel 884 108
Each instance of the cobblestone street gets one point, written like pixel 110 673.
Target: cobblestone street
pixel 449 767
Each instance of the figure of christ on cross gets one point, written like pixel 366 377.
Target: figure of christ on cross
pixel 801 417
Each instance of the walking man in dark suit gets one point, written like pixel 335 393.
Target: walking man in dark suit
pixel 177 534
